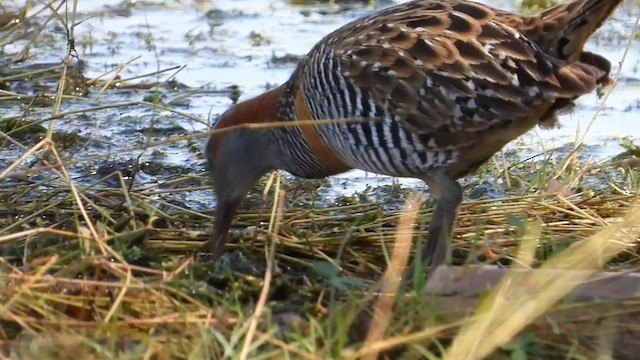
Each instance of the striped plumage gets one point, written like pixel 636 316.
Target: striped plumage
pixel 441 85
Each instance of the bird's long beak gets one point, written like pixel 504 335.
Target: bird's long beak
pixel 224 217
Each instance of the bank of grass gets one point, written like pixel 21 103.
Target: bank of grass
pixel 111 270
pixel 136 290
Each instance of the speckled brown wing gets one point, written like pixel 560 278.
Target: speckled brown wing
pixel 453 67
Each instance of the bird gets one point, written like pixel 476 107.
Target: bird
pixel 437 88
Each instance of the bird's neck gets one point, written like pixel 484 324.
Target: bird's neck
pixel 298 147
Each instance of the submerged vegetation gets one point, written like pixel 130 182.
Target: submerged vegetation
pixel 105 204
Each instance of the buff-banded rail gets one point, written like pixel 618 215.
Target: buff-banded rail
pixel 439 86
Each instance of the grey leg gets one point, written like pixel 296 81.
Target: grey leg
pixel 448 195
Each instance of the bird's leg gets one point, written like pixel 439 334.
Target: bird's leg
pixel 448 194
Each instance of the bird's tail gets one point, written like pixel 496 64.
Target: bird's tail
pixel 571 24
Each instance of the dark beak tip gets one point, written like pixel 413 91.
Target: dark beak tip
pixel 222 225
pixel 216 246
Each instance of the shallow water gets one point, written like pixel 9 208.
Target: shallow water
pixel 213 40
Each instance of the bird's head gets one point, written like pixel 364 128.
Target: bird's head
pixel 237 157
